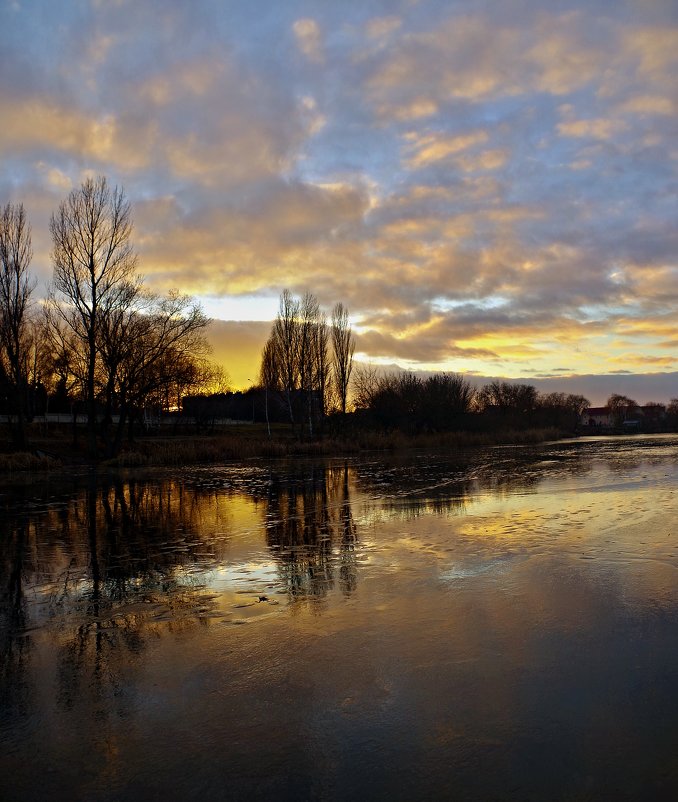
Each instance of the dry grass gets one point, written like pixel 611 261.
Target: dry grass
pixel 249 442
pixel 240 446
pixel 22 462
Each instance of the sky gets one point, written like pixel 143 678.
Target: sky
pixel 490 188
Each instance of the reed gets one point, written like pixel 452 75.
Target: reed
pixel 238 446
pixel 245 443
pixel 23 462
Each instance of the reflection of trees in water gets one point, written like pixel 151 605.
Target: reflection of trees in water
pixel 99 571
pixel 408 490
pixel 14 645
pixel 311 532
pixel 435 484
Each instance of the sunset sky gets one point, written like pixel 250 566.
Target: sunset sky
pixel 490 187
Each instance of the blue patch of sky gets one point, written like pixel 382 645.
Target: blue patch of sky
pixel 240 307
pixel 590 313
pixel 444 304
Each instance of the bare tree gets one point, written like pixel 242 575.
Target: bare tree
pixel 269 375
pixel 321 362
pixel 507 398
pixel 672 414
pixel 94 268
pixel 343 347
pixel 16 288
pixel 562 410
pixel 295 359
pixel 155 354
pixel 286 335
pixel 116 341
pixel 269 372
pixel 366 385
pixel 64 368
pixel 313 359
pixel 446 400
pixel 621 408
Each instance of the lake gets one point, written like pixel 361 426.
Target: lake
pixel 495 625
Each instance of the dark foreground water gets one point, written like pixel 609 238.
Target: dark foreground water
pixel 500 626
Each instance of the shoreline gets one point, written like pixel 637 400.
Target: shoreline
pixel 50 455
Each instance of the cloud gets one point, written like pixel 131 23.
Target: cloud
pixel 649 104
pixel 488 187
pixel 426 349
pixel 382 27
pixel 431 148
pixel 276 238
pixel 39 125
pixel 309 39
pixel 597 129
pixel 477 59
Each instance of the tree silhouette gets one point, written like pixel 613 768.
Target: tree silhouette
pixel 94 271
pixel 16 287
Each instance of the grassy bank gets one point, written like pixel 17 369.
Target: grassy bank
pixel 234 447
pixel 19 463
pixel 56 451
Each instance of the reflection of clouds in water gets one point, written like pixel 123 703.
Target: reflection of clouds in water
pixel 461 571
pixel 165 543
pixel 493 614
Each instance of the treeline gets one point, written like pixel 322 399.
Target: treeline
pixel 449 402
pixel 101 343
pixel 625 413
pixel 404 402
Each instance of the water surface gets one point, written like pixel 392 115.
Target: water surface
pixel 496 625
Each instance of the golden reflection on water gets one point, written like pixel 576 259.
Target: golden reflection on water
pixel 157 550
pixel 441 608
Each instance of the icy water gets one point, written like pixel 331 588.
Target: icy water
pixel 496 626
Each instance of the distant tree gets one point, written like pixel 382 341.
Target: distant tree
pixel 286 346
pixel 506 396
pixel 16 287
pixel 312 356
pixel 295 359
pixel 653 416
pixel 621 408
pixel 562 410
pixel 407 402
pixel 395 402
pixel 505 405
pixel 269 371
pixel 321 365
pixel 156 355
pixel 446 400
pixel 672 414
pixel 343 348
pixel 365 385
pixel 215 379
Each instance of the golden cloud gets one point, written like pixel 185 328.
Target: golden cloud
pixel 598 128
pixel 429 148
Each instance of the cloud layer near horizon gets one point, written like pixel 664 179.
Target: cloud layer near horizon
pixel 489 187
